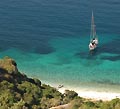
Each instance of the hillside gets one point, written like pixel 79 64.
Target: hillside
pixel 17 91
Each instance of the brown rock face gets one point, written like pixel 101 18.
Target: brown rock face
pixel 9 65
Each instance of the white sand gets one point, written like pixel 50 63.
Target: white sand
pixel 94 95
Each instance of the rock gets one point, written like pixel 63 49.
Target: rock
pixel 9 65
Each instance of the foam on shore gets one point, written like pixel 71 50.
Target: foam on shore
pixel 94 95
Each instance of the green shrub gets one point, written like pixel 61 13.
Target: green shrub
pixel 115 102
pixel 18 105
pixel 90 103
pixel 50 92
pixel 70 95
pixel 7 98
pixel 6 85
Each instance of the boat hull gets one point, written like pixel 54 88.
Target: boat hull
pixel 92 49
pixel 92 46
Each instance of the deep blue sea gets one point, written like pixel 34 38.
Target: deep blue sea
pixel 49 40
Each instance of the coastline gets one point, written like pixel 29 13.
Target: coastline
pixel 88 93
pixel 92 94
pixel 44 96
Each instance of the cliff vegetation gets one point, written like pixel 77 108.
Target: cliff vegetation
pixel 17 91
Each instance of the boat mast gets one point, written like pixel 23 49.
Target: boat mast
pixel 93 31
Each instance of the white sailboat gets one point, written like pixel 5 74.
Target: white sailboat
pixel 93 37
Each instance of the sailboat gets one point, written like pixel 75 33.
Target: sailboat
pixel 93 37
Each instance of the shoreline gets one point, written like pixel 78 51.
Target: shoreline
pixel 88 92
pixel 93 95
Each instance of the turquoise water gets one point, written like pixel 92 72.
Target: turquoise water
pixel 71 64
pixel 49 40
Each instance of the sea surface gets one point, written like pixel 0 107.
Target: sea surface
pixel 49 40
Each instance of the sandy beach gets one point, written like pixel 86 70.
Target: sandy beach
pixel 98 93
pixel 94 95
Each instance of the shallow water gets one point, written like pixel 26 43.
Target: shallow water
pixel 49 40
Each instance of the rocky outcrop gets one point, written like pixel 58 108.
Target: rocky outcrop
pixel 9 65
